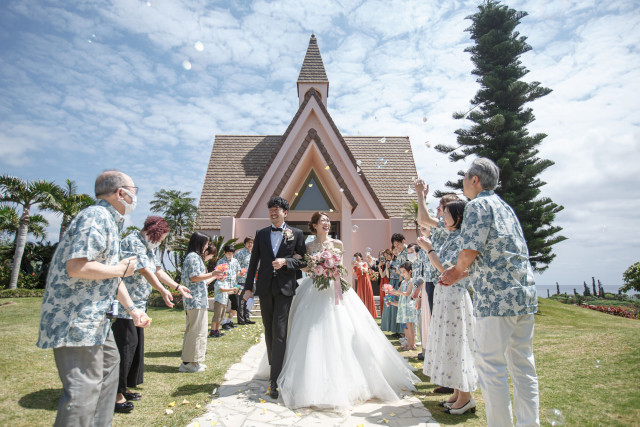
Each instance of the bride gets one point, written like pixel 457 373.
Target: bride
pixel 336 355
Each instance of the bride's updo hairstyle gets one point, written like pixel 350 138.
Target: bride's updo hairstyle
pixel 314 220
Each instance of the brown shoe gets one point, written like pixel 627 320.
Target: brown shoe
pixel 443 390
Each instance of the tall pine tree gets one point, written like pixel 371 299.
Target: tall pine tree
pixel 499 130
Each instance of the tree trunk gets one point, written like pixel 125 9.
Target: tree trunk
pixel 21 241
pixel 63 229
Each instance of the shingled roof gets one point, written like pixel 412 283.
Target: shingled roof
pixel 238 162
pixel 312 70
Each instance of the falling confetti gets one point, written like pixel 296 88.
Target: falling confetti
pixel 411 191
pixel 330 210
pixel 186 64
pixel 381 162
pixel 555 417
pixel 368 250
pixel 358 162
pixel 427 144
pixel 358 169
pixel 355 228
pixel 310 185
pixel 342 190
pixel 382 140
pixel 296 194
pixel 406 151
pixel 327 167
pixel 199 46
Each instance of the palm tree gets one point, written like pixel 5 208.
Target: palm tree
pixel 25 194
pixel 179 210
pixel 10 223
pixel 67 202
pixel 130 229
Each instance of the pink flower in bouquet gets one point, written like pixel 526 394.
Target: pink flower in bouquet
pixel 330 262
pixel 318 270
pixel 326 254
pixel 387 288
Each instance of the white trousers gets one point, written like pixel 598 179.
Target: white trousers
pixel 506 343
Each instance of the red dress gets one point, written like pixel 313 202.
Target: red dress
pixel 365 292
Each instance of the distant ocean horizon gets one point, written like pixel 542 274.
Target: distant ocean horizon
pixel 568 289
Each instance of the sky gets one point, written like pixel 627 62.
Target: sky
pixel 145 86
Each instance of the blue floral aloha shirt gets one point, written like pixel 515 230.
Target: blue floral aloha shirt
pixel 228 282
pixel 243 256
pixel 138 287
pixel 448 255
pixel 194 266
pixel 439 235
pixel 501 274
pixel 73 312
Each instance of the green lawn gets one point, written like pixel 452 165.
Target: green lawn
pixel 31 387
pixel 568 341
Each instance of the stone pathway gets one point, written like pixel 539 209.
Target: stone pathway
pixel 242 401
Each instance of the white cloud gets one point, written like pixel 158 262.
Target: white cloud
pixel 70 108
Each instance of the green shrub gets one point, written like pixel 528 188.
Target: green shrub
pixel 21 293
pixel 155 300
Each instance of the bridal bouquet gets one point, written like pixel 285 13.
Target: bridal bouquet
pixel 325 266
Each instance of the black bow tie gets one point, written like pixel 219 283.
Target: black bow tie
pixel 274 229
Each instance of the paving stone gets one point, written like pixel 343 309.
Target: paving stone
pixel 237 402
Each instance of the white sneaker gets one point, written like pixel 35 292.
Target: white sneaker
pixel 191 367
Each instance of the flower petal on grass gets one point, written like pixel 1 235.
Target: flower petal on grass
pixel 168 411
pixel 172 404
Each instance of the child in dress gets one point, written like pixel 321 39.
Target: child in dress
pixel 407 313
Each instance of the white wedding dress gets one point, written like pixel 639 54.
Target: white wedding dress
pixel 336 355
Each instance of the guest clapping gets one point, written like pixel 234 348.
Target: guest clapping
pixel 129 338
pixel 82 281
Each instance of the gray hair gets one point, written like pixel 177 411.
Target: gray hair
pixel 109 181
pixel 486 171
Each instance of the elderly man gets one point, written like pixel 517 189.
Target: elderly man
pixel 496 256
pixel 83 279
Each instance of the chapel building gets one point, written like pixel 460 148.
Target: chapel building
pixel 363 183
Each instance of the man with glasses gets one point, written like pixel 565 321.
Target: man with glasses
pixel 504 301
pixel 84 278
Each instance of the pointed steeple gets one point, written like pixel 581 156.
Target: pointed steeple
pixel 312 73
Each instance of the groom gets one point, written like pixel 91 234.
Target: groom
pixel 272 257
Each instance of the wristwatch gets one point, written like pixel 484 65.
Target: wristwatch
pixel 130 309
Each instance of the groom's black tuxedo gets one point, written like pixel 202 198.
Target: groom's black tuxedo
pixel 275 288
pixel 262 257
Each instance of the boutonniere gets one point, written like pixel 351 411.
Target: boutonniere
pixel 287 234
